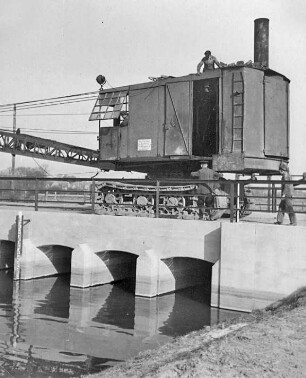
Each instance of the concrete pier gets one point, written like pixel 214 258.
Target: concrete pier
pixel 245 265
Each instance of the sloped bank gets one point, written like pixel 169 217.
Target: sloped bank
pixel 267 343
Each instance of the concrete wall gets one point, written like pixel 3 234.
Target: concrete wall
pixel 248 265
pixel 259 264
pixel 195 239
pixel 100 249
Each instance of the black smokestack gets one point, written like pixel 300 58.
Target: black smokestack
pixel 261 42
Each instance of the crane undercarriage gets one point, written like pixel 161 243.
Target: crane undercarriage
pixel 176 201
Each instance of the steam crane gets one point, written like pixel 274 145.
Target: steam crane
pixel 236 118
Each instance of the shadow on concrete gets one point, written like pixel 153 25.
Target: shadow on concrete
pixel 189 272
pixel 12 232
pixel 59 256
pixel 122 265
pixel 212 245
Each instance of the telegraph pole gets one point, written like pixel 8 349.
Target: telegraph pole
pixel 13 155
pixel 14 131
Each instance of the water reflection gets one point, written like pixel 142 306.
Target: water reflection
pixel 6 287
pixel 191 310
pixel 50 329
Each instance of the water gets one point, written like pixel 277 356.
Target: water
pixel 48 329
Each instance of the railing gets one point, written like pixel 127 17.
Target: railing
pixel 81 195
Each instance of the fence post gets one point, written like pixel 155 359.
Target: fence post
pixel 157 199
pixel 238 202
pixel 273 198
pixel 36 195
pixel 93 196
pixel 269 195
pixel 18 245
pixel 232 204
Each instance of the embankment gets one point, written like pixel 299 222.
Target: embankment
pixel 266 343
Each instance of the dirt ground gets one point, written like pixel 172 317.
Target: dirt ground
pixel 268 343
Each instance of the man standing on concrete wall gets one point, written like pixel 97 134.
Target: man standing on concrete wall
pixel 286 205
pixel 206 190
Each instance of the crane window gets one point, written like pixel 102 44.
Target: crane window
pixel 110 105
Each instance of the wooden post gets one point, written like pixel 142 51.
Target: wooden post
pixel 93 196
pixel 238 202
pixel 232 199
pixel 273 198
pixel 157 199
pixel 269 194
pixel 36 195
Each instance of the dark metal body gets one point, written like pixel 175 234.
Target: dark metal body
pixel 237 118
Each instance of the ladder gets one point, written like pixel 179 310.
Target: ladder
pixel 237 111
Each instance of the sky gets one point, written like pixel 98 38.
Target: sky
pixel 53 48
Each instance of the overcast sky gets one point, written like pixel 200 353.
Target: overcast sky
pixel 53 48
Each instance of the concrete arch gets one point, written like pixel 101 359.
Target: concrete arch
pixel 44 261
pixel 120 264
pixel 7 249
pixel 59 256
pixel 156 276
pixel 91 268
pixel 188 271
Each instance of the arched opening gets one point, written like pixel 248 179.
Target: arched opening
pixel 59 256
pixel 188 272
pixel 93 268
pixel 121 266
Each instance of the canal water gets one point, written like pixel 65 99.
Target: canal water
pixel 48 329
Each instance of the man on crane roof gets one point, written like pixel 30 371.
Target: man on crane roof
pixel 209 61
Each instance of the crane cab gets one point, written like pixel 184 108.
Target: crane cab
pixel 236 117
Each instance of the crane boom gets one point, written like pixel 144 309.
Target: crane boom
pixel 27 145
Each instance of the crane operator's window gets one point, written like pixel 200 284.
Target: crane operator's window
pixel 111 105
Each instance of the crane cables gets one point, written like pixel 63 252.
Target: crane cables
pixel 62 100
pixel 89 96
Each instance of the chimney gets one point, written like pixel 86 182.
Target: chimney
pixel 261 42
